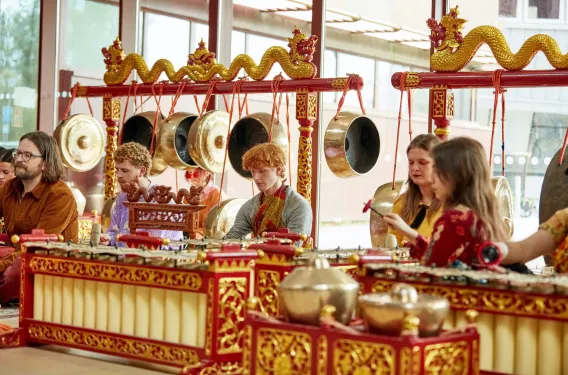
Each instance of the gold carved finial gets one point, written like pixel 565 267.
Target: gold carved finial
pixel 327 312
pixel 410 325
pixel 253 304
pixel 471 316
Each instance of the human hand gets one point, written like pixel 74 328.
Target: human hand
pixel 395 222
pixel 104 239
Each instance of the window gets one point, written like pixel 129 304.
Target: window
pixel 508 8
pixel 238 44
pixel 365 67
pixel 543 9
pixel 19 51
pixel 330 71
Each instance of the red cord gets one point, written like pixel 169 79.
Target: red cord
pixel 499 90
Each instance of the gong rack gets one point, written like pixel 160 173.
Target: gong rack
pixel 303 84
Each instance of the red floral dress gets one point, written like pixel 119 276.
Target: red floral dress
pixel 456 235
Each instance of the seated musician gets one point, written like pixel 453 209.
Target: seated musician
pixel 418 206
pixel 6 165
pixel 277 205
pixel 550 239
pixel 133 162
pixel 210 194
pixel 36 198
pixel 462 182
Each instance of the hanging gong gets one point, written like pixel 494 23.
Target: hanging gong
pixel 351 145
pixel 172 141
pixel 207 139
pixel 505 198
pixel 81 142
pixel 139 129
pixel 106 213
pixel 383 201
pixel 220 219
pixel 250 131
pixel 554 192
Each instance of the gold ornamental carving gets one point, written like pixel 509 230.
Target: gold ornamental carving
pixel 412 80
pixel 232 303
pixel 492 301
pixel 224 368
pixel 339 83
pixel 448 358
pixel 302 103
pixel 108 343
pixel 352 357
pixel 304 184
pixel 121 273
pixel 111 109
pixel 23 273
pixel 439 104
pixel 312 106
pixel 209 328
pixel 267 288
pixel 85 226
pixel 454 51
pixel 247 351
pixel 202 65
pixel 405 361
pixel 281 352
pixel 450 105
pixel 322 355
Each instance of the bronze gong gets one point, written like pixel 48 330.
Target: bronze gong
pixel 554 192
pixel 250 131
pixel 505 197
pixel 172 141
pixel 383 201
pixel 139 129
pixel 207 140
pixel 106 213
pixel 81 142
pixel 351 145
pixel 220 219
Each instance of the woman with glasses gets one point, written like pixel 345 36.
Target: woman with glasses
pixel 210 194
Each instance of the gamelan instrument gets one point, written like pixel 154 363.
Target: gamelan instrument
pixel 400 332
pixel 250 131
pixel 140 129
pixel 81 142
pixel 220 219
pixel 351 145
pixel 185 310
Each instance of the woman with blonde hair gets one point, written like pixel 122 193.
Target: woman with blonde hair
pixel 418 206
pixel 210 194
pixel 462 182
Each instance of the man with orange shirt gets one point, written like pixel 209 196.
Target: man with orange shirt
pixel 36 199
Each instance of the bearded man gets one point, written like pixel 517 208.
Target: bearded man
pixel 37 198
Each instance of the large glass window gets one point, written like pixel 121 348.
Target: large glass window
pixel 508 8
pixel 543 9
pixel 19 64
pixel 365 67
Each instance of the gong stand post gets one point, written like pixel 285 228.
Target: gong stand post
pixel 306 113
pixel 111 117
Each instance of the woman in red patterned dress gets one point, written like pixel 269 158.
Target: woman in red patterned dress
pixel 462 181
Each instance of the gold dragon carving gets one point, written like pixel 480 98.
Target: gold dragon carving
pixel 454 51
pixel 202 65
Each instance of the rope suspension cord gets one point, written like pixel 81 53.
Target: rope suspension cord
pixel 499 90
pixel 158 113
pixel 74 92
pixel 275 85
pixel 403 88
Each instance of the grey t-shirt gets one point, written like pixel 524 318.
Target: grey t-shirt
pixel 296 216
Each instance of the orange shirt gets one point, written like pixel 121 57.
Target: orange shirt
pixel 209 198
pixel 51 207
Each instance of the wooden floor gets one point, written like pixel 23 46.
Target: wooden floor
pixel 54 361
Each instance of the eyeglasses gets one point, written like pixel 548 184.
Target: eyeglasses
pixel 26 156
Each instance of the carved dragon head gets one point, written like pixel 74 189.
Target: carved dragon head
pixel 447 33
pixel 302 48
pixel 202 57
pixel 114 55
pixel 131 190
pixel 161 193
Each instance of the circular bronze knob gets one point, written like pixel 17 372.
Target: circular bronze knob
pixel 219 141
pixel 84 142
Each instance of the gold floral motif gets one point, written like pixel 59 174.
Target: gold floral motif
pixel 273 345
pixel 439 105
pixel 339 83
pixel 416 360
pixel 352 357
pixel 23 274
pixel 322 355
pixel 247 351
pixel 171 354
pixel 85 227
pixel 450 106
pixel 223 369
pixel 209 329
pixel 81 91
pixel 267 290
pixel 491 301
pixel 312 106
pixel 115 114
pixel 110 106
pixel 412 79
pixel 203 67
pixel 455 51
pixel 172 279
pixel 448 359
pixel 405 361
pixel 302 103
pixel 304 184
pixel 233 296
pixel 475 357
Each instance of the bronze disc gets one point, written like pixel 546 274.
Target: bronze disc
pixel 81 142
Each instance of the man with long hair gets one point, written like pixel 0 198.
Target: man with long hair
pixel 37 198
pixel 277 205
